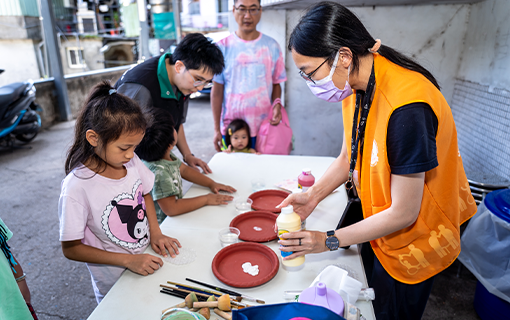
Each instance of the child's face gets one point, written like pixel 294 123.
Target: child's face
pixel 239 140
pixel 119 152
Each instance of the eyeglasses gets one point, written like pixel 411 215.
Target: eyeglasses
pixel 252 11
pixel 206 84
pixel 308 77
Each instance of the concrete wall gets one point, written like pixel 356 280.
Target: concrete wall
pixel 481 104
pixel 20 27
pixel 78 87
pixel 91 54
pixel 18 58
pixel 433 35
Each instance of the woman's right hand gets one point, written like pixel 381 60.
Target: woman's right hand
pixel 301 202
pixel 144 263
pixel 217 140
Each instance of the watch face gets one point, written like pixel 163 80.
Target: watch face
pixel 332 243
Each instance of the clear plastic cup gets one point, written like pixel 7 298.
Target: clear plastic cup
pixel 243 205
pixel 229 236
pixel 257 184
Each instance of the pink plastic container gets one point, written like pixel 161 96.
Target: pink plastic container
pixel 306 179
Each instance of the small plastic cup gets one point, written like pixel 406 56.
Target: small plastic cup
pixel 229 236
pixel 257 184
pixel 243 205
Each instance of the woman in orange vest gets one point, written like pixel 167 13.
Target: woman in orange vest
pixel 399 153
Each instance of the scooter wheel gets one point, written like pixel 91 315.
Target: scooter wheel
pixel 27 137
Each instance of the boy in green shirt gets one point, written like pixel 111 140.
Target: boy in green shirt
pixel 155 150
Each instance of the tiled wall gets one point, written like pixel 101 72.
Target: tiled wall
pixel 482 117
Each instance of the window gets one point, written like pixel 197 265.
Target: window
pixel 75 57
pixel 194 7
pixel 88 25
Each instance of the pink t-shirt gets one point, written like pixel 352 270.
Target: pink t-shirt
pixel 107 214
pixel 251 69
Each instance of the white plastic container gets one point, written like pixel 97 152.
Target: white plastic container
pixel 289 221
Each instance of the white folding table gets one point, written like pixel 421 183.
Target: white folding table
pixel 138 297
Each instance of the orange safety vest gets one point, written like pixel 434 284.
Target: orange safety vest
pixel 432 243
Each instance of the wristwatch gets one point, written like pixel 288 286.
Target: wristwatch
pixel 332 242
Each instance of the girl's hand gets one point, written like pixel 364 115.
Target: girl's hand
pixel 302 203
pixel 311 242
pixel 228 150
pixel 218 199
pixel 217 187
pixel 143 264
pixel 161 244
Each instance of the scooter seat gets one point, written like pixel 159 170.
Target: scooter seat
pixel 11 93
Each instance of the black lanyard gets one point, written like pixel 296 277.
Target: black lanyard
pixel 358 130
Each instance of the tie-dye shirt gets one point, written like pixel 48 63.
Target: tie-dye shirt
pixel 251 69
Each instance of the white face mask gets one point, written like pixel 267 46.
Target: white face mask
pixel 326 90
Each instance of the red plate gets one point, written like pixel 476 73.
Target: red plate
pixel 256 226
pixel 227 264
pixel 267 200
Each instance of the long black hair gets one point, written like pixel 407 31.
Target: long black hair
pixel 235 126
pixel 328 26
pixel 109 114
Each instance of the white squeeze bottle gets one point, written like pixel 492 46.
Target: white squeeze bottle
pixel 289 221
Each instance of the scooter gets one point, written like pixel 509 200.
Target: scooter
pixel 19 121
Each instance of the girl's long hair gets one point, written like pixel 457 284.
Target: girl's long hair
pixel 234 126
pixel 329 26
pixel 109 114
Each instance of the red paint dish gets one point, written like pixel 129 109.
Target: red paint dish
pixel 267 200
pixel 227 264
pixel 256 226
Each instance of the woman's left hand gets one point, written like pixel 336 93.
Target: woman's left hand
pixel 217 187
pixel 161 244
pixel 311 242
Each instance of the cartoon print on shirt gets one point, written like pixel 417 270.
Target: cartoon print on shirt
pixel 125 219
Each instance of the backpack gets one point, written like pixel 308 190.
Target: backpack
pixel 275 139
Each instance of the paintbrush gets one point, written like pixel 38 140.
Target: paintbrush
pixel 180 294
pixel 230 292
pixel 236 297
pixel 202 295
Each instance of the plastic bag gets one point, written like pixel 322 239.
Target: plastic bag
pixel 485 252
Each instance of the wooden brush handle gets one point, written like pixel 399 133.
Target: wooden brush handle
pixel 223 314
pixel 204 304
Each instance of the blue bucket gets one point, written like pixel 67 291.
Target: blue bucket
pixel 489 306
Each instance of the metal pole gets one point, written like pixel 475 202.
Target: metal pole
pixel 143 52
pixel 177 19
pixel 55 60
